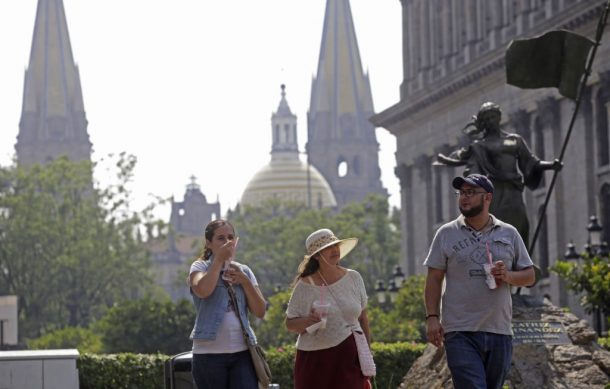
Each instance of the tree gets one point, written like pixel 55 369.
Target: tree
pixel 83 339
pixel 272 332
pixel 148 326
pixel 68 249
pixel 378 237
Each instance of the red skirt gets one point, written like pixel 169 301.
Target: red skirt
pixel 332 368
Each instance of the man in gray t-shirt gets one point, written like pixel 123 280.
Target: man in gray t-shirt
pixel 472 314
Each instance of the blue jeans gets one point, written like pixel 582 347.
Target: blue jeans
pixel 478 360
pixel 224 371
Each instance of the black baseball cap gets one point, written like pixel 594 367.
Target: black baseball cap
pixel 475 180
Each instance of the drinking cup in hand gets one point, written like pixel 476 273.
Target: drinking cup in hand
pixel 320 309
pixel 489 278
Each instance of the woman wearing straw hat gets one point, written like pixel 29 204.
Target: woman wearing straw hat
pixel 328 302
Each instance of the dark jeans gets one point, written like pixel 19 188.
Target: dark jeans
pixel 478 360
pixel 224 371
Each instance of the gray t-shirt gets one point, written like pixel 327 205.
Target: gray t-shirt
pixel 467 303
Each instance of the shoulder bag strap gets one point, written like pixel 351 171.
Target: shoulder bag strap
pixel 233 299
pixel 335 298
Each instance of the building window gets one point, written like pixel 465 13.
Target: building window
pixel 605 211
pixel 356 166
pixel 342 167
pixel 602 107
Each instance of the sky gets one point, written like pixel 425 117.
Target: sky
pixel 189 86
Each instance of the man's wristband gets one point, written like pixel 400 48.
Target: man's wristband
pixel 431 315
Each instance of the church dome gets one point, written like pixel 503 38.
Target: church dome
pixel 286 179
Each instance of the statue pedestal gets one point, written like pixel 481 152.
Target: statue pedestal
pixel 551 349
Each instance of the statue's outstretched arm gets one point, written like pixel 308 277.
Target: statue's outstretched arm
pixel 550 165
pixel 449 161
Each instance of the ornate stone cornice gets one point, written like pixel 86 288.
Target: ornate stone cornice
pixel 480 67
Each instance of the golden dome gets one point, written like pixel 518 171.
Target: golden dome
pixel 287 179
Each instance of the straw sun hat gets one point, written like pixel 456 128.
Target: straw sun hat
pixel 321 239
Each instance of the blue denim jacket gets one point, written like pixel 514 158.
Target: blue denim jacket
pixel 211 310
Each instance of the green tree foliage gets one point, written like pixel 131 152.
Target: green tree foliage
pixel 272 238
pixel 378 238
pixel 591 278
pixel 83 339
pixel 403 320
pixel 272 332
pixel 68 249
pixel 147 326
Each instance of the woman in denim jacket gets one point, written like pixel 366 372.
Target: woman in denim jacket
pixel 220 354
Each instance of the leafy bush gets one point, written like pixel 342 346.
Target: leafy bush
pixel 604 342
pixel 393 361
pixel 131 371
pixel 121 371
pixel 83 339
pixel 127 371
pixel 591 278
pixel 281 362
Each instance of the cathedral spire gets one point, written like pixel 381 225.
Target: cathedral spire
pixel 53 121
pixel 284 131
pixel 341 141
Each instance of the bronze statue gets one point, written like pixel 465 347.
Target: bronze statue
pixel 506 160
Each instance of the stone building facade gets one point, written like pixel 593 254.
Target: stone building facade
pixel 453 53
pixel 172 255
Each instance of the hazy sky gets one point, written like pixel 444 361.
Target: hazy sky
pixel 189 86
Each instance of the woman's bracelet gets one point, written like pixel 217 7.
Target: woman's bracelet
pixel 431 315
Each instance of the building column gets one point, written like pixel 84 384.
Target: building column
pixel 407 252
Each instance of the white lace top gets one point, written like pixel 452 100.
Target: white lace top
pixel 347 294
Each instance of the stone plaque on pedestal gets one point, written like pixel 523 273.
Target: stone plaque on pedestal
pixel 539 332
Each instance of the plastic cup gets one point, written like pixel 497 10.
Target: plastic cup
pixel 225 270
pixel 321 309
pixel 489 278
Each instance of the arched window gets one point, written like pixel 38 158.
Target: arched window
pixel 287 138
pixel 342 167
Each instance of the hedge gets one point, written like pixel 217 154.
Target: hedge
pixel 141 371
pixel 121 371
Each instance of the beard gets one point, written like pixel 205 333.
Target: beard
pixel 472 212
